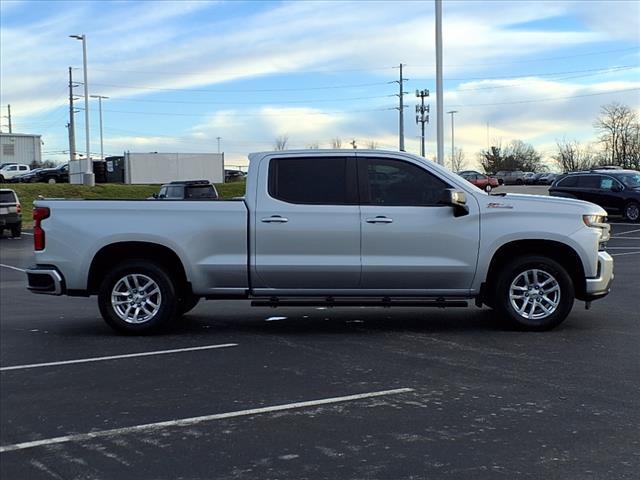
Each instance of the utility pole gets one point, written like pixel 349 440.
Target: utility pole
pixel 353 143
pixel 72 123
pixel 88 179
pixel 9 117
pixel 439 93
pixel 452 112
pixel 422 116
pixel 218 139
pixel 100 97
pixel 400 109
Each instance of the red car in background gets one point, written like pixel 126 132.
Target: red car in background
pixel 480 180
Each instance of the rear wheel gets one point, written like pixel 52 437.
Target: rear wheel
pixel 632 212
pixel 138 297
pixel 533 293
pixel 51 181
pixel 16 230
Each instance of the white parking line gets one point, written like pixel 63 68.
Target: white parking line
pixel 27 233
pixel 12 267
pixel 115 357
pixel 625 238
pixel 626 253
pixel 623 248
pixel 186 422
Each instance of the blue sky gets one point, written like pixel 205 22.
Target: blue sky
pixel 180 74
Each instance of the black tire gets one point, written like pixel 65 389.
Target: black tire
pixel 16 230
pixel 51 181
pixel 519 182
pixel 167 300
pixel 1 179
pixel 187 303
pixel 502 302
pixel 632 212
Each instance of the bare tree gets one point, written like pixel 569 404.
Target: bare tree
pixel 313 146
pixel 572 156
pixel 619 128
pixel 354 144
pixel 458 161
pixel 372 145
pixel 281 142
pixel 336 142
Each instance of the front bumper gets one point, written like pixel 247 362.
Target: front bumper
pixel 45 280
pixel 600 286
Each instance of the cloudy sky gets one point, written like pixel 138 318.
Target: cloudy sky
pixel 180 74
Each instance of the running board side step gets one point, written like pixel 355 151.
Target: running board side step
pixel 331 302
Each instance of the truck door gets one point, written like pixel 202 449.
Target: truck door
pixel 307 224
pixel 409 241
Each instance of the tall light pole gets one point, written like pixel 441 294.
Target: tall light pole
pixel 452 112
pixel 439 94
pixel 88 179
pixel 100 97
pixel 218 139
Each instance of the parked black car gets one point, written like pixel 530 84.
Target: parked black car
pixel 187 190
pixel 617 191
pixel 10 212
pixel 46 175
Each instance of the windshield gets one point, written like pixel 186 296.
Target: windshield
pixel 631 180
pixel 204 191
pixel 7 197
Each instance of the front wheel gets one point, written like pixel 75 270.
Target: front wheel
pixel 632 212
pixel 138 297
pixel 534 293
pixel 51 181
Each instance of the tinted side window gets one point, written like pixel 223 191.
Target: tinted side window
pixel 398 183
pixel 200 191
pixel 589 181
pixel 315 181
pixel 174 192
pixel 570 181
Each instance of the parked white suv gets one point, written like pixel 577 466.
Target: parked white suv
pixel 11 170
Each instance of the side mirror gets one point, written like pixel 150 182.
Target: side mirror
pixel 455 199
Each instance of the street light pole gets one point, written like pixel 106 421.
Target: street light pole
pixel 439 93
pixel 452 112
pixel 88 173
pixel 100 97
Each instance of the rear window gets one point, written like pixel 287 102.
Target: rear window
pixel 200 191
pixel 570 181
pixel 589 181
pixel 7 197
pixel 315 181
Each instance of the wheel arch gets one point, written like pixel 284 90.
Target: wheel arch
pixel 560 252
pixel 114 253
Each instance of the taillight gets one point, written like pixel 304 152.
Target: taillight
pixel 18 208
pixel 39 214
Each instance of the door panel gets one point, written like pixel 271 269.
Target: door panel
pixel 311 240
pixel 421 245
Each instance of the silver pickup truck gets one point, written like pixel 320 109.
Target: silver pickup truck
pixel 330 228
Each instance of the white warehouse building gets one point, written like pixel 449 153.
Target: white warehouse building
pixel 153 168
pixel 20 148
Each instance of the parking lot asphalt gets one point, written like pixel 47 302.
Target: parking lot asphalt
pixel 345 393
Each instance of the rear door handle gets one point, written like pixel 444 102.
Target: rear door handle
pixel 275 219
pixel 379 219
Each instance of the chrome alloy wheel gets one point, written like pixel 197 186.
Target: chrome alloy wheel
pixel 632 212
pixel 136 298
pixel 534 294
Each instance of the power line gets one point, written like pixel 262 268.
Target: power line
pixel 284 114
pixel 253 103
pixel 549 99
pixel 140 87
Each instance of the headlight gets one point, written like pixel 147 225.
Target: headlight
pixel 599 222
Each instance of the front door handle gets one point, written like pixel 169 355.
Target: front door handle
pixel 275 219
pixel 379 219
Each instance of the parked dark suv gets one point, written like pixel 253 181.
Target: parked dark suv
pixel 188 190
pixel 10 212
pixel 617 191
pixel 58 174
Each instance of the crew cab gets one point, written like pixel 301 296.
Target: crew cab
pixel 10 170
pixel 329 228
